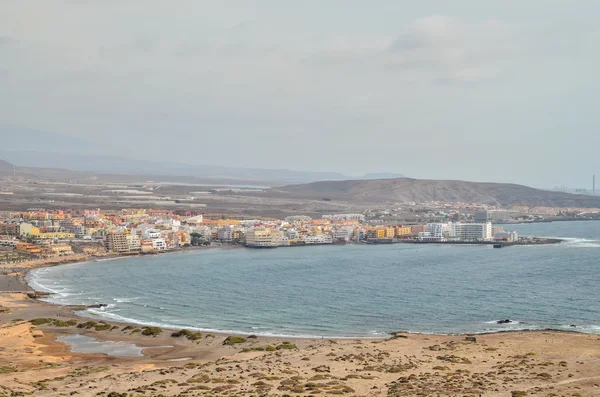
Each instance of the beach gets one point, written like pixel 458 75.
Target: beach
pixel 33 361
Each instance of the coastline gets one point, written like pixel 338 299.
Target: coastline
pixel 35 361
pixel 79 310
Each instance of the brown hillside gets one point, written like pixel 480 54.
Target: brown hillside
pixel 422 190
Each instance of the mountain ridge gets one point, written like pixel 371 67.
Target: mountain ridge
pixel 426 190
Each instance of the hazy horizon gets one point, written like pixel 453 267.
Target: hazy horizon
pixel 474 91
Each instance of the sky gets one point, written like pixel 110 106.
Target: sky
pixel 499 91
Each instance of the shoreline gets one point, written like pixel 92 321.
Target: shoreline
pixel 35 361
pixel 78 310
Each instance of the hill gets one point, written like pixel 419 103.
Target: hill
pixel 423 190
pixel 5 165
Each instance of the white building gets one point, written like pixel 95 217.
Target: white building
pixel 292 234
pixel 343 233
pixel 317 239
pixel 472 231
pixel 150 233
pixel 345 217
pixel 439 231
pixel 159 244
pixel 134 242
pixel 195 220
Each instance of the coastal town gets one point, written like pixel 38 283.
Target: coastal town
pixel 41 234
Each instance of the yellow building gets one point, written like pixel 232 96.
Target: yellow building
pixel 402 231
pixel 58 235
pixel 28 248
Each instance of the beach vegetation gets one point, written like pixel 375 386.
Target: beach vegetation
pixel 7 369
pixel 102 327
pixel 233 340
pixel 454 359
pixel 87 325
pixel 191 335
pixel 136 330
pixel 286 346
pixel 128 328
pixel 200 387
pixel 53 322
pixel 518 393
pixel 254 349
pixel 209 336
pixel 151 331
pixel 40 321
pixel 114 327
pixel 16 320
pixel 270 348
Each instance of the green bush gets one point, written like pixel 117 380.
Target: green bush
pixel 54 322
pixel 191 335
pixel 270 348
pixel 102 327
pixel 87 324
pixel 286 345
pixel 233 340
pixel 40 321
pixel 151 331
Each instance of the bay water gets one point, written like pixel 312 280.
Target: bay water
pixel 351 290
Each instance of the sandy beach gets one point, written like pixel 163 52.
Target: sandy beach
pixel 34 362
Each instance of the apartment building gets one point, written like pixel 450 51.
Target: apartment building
pixel 472 231
pixel 134 242
pixel 116 242
pixel 259 238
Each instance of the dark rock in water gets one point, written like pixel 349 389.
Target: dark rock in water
pixel 97 305
pixel 507 321
pixel 470 339
pixel 573 326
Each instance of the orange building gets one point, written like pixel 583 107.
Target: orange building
pixel 28 248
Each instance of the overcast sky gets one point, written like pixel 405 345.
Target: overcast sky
pixel 477 90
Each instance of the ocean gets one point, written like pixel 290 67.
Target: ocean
pixel 351 290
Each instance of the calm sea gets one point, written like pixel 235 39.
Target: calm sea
pixel 352 290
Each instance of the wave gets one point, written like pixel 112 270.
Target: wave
pixel 510 322
pixel 126 300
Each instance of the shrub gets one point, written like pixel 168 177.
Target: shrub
pixel 87 324
pixel 191 335
pixel 53 321
pixel 286 345
pixel 270 348
pixel 102 327
pixel 40 321
pixel 151 331
pixel 232 340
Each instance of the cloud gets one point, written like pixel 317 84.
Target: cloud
pixel 452 49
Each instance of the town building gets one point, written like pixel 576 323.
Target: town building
pixel 116 242
pixel 472 231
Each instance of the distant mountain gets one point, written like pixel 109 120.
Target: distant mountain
pixel 17 138
pixel 5 165
pixel 26 147
pixel 382 175
pixel 422 190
